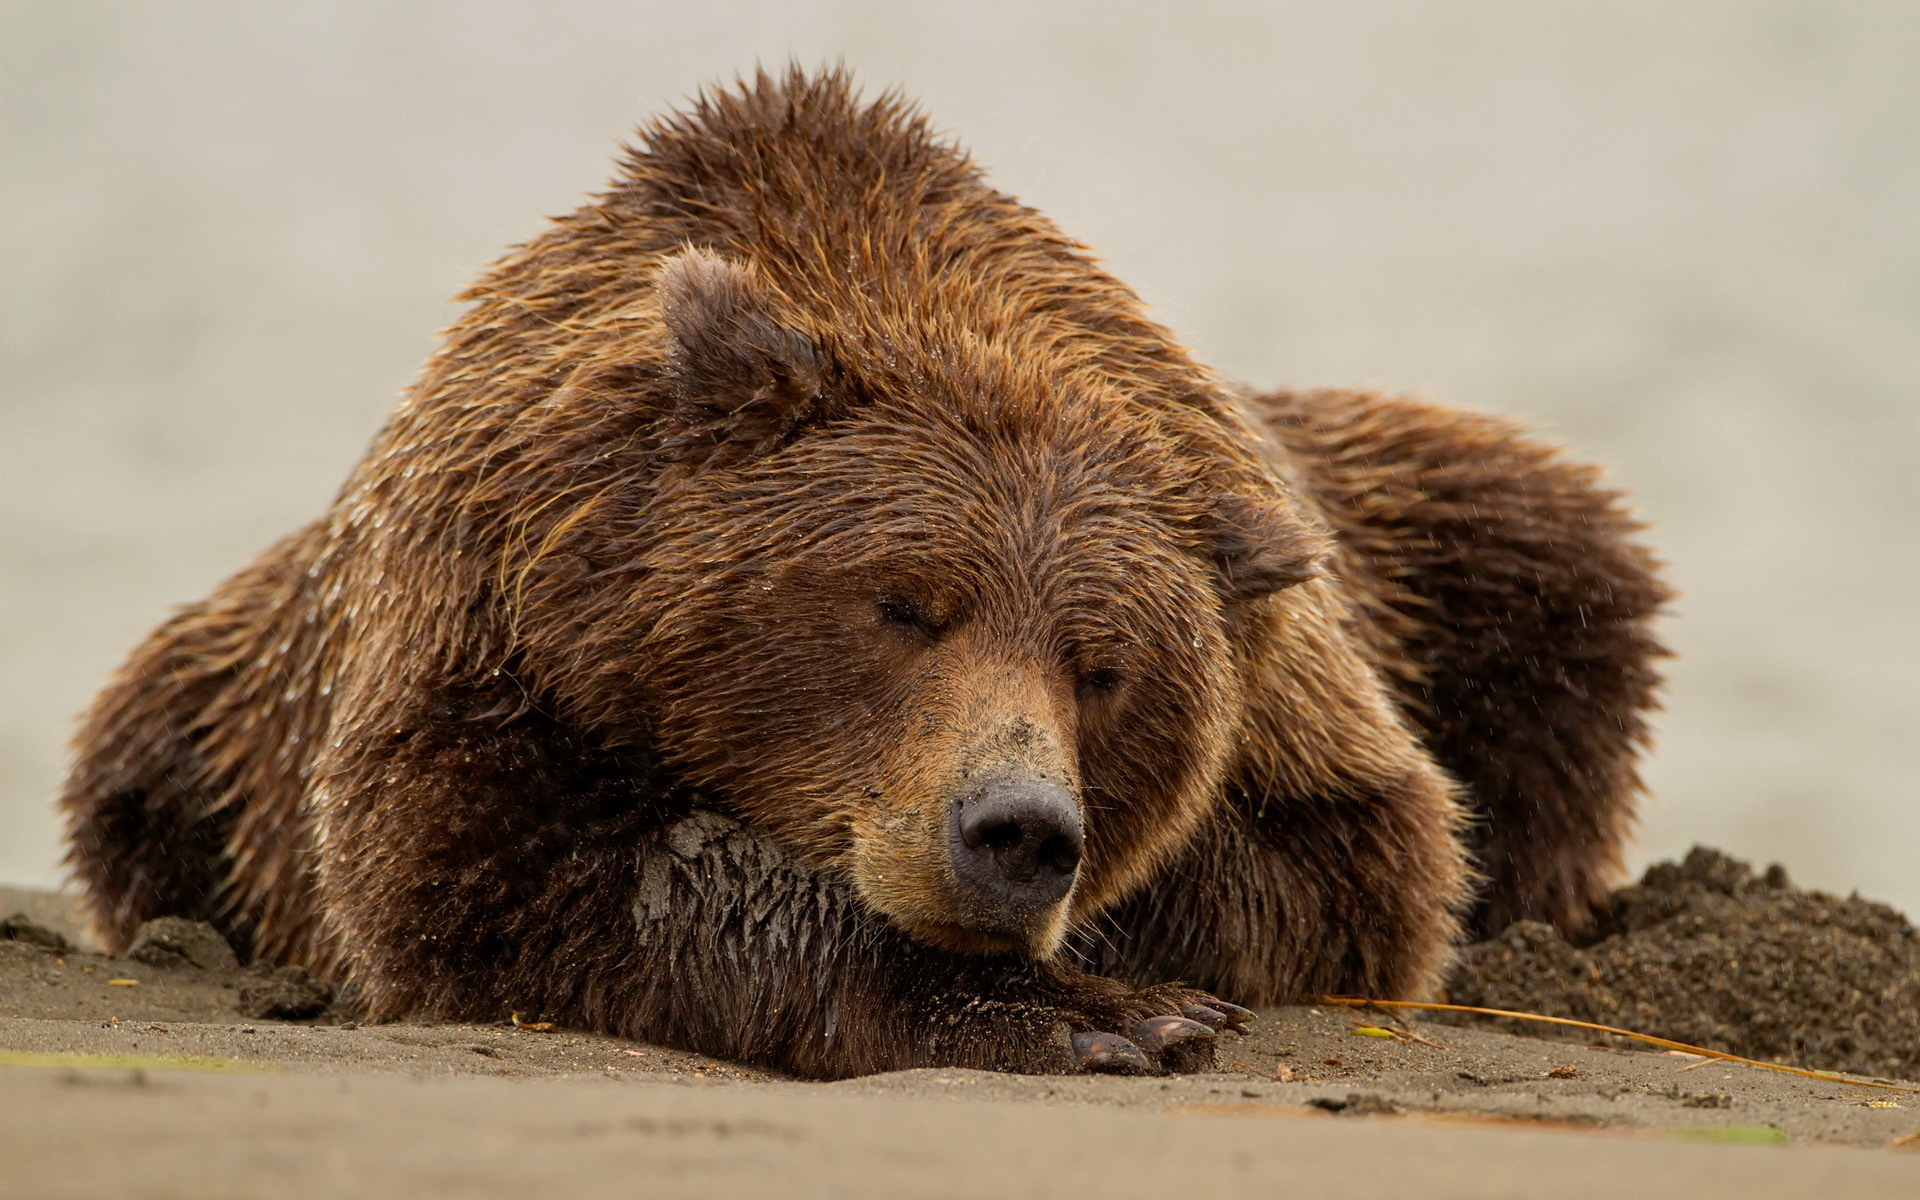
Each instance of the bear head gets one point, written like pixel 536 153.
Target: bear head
pixel 955 619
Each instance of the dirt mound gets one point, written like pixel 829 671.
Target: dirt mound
pixel 1706 952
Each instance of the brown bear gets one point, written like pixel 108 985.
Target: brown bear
pixel 807 613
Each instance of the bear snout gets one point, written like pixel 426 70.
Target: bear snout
pixel 1015 845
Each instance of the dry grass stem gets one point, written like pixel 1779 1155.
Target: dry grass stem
pixel 1720 1055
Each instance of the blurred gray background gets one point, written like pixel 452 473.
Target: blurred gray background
pixel 1681 236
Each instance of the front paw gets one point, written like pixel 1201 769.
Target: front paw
pixel 1166 1042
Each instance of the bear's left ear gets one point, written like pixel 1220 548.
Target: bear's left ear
pixel 1261 547
pixel 744 378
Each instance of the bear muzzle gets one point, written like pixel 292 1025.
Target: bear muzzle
pixel 1014 845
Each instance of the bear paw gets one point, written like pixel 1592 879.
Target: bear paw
pixel 1162 1044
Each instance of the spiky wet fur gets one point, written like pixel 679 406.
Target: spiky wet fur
pixel 566 706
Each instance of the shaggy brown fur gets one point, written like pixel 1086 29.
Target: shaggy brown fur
pixel 782 498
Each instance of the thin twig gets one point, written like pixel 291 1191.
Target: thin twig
pixel 1400 1027
pixel 1829 1076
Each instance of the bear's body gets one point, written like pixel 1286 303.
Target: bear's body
pixel 806 613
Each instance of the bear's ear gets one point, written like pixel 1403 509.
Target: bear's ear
pixel 1261 547
pixel 743 378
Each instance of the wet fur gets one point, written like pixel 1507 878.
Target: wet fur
pixel 532 718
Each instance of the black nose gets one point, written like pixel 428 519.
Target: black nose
pixel 1016 844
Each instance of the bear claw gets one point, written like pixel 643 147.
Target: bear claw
pixel 1212 1018
pixel 1182 1044
pixel 1157 1033
pixel 1220 1014
pixel 1110 1054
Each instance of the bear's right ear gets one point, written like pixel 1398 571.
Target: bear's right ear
pixel 743 378
pixel 1261 547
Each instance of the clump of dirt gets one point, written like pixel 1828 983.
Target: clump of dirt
pixel 21 928
pixel 177 942
pixel 1706 952
pixel 283 994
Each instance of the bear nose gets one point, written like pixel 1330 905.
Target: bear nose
pixel 1016 844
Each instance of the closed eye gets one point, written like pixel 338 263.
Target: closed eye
pixel 903 613
pixel 1100 681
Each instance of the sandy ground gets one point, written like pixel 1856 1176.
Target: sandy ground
pixel 157 1088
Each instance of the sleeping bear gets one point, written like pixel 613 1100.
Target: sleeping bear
pixel 806 612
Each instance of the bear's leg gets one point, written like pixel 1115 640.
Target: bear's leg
pixel 474 865
pixel 833 990
pixel 1513 603
pixel 1285 899
pixel 145 834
